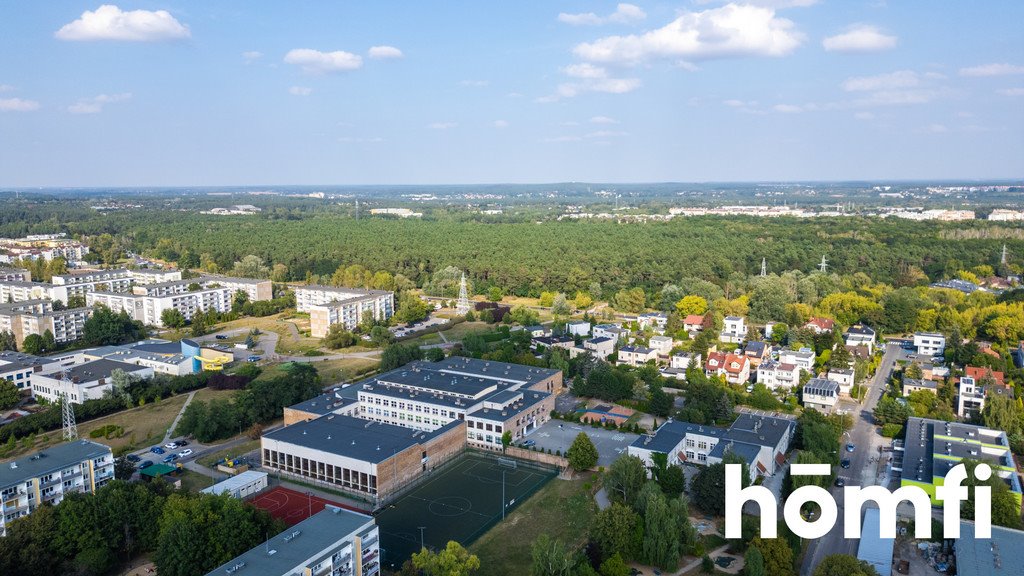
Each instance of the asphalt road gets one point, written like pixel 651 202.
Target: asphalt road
pixel 862 470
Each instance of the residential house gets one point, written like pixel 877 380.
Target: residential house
pixel 613 331
pixel 577 328
pixel 929 343
pixel 636 355
pixel 911 385
pixel 820 325
pixel 970 398
pixel 538 331
pixel 693 324
pixel 757 352
pixel 821 394
pixel 802 358
pixel 601 347
pixel 656 320
pixel 860 335
pixel 735 368
pixel 679 363
pixel 844 377
pixel 565 341
pixel 734 330
pixel 775 374
pixel 661 344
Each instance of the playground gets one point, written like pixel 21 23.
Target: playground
pixel 460 501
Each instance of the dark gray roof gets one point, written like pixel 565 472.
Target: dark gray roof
pixel 10 360
pixel 637 349
pixel 748 452
pixel 959 441
pixel 1003 554
pixel 759 429
pixel 298 545
pixel 49 460
pixel 821 387
pixel 921 383
pixel 861 330
pixel 157 347
pixel 355 438
pixel 494 370
pixel 600 340
pixel 669 434
pixel 754 347
pixel 323 404
pixel 443 382
pixel 530 399
pixel 94 370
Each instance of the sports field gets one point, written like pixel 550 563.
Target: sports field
pixel 292 506
pixel 460 502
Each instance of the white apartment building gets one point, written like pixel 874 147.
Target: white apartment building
pixel 734 330
pixel 66 325
pixel 329 305
pixel 20 291
pixel 45 477
pixel 600 346
pixel 577 328
pixel 774 374
pixel 15 275
pixel 149 309
pixel 802 358
pixel 153 276
pixel 81 283
pixel 256 289
pixel 970 398
pixel 81 381
pixel 333 542
pixel 929 343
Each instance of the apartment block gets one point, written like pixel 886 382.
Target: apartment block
pixel 81 283
pixel 256 289
pixel 154 276
pixel 21 291
pixel 333 542
pixel 149 309
pixel 47 476
pixel 929 343
pixel 329 305
pixel 15 275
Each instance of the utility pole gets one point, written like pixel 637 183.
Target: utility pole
pixel 422 528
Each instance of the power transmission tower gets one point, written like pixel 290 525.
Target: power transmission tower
pixel 462 306
pixel 764 267
pixel 823 266
pixel 68 416
pixel 1004 257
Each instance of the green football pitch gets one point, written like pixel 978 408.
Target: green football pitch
pixel 460 501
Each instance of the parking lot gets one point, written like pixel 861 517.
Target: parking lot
pixel 558 435
pixel 408 330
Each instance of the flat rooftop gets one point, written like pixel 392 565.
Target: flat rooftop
pixel 49 460
pixel 323 404
pixel 1002 554
pixel 355 438
pixel 93 370
pixel 491 369
pixel 442 382
pixel 298 545
pixel 10 360
pixel 529 400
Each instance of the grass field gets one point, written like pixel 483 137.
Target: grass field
pixel 292 340
pixel 194 480
pixel 562 509
pixel 453 334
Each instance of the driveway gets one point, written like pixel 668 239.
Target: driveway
pixel 558 435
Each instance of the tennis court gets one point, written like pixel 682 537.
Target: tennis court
pixel 460 502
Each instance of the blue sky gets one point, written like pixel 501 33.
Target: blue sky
pixel 237 93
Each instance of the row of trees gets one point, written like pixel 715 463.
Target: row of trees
pixel 93 534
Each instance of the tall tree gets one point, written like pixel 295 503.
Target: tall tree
pixel 582 454
pixel 550 557
pixel 844 565
pixel 453 560
pixel 624 479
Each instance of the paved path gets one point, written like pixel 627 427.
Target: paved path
pixel 602 499
pixel 170 431
pixel 696 563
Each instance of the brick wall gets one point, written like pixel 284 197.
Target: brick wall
pixel 541 457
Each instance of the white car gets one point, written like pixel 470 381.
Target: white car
pixel 185 452
pixel 171 445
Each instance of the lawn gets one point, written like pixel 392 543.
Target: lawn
pixel 563 509
pixel 194 480
pixel 453 334
pixel 345 369
pixel 210 460
pixel 292 330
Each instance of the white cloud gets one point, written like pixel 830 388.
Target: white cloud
pixel 358 140
pixel 384 53
pixel 300 91
pixel 474 83
pixel 624 14
pixel 500 123
pixel 442 125
pixel 936 128
pixel 892 80
pixel 864 116
pixel 729 31
pixel 317 62
pixel 109 22
pixel 6 88
pixel 590 78
pixel 603 120
pixel 1001 69
pixel 605 134
pixel 18 105
pixel 1011 91
pixel 563 139
pixel 585 70
pixel 95 105
pixel 770 3
pixel 514 95
pixel 251 56
pixel 787 108
pixel 860 38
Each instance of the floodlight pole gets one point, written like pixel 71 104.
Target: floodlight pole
pixel 503 494
pixel 422 528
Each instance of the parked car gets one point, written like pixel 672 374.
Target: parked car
pixel 840 482
pixel 528 443
pixel 170 458
pixel 221 336
pixel 171 445
pixel 851 447
pixel 156 450
pixel 182 443
pixel 845 463
pixel 185 452
pixel 145 464
pixel 132 458
pixel 253 358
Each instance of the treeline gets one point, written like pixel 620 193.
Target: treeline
pixel 525 259
pixel 95 534
pixel 260 402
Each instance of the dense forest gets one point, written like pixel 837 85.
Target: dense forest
pixel 528 258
